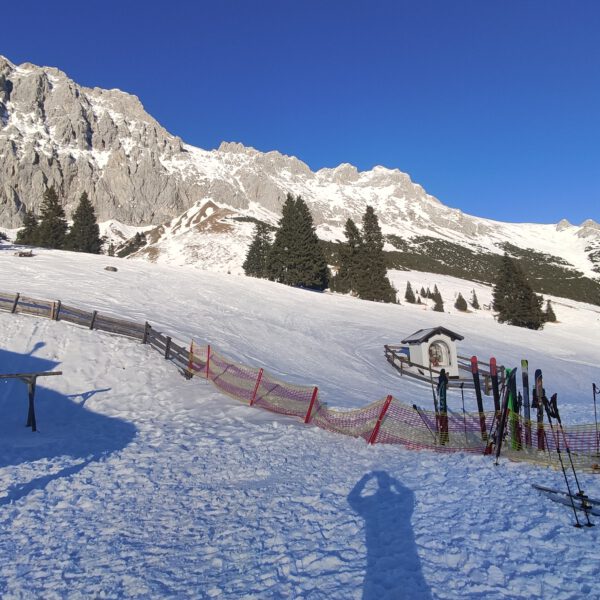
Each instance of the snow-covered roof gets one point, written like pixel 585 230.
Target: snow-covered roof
pixel 418 337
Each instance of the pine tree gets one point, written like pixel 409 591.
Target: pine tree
pixel 372 283
pixel 423 292
pixel 438 301
pixel 513 298
pixel 549 315
pixel 257 259
pixel 52 228
pixel 84 235
pixel 461 303
pixel 346 279
pixel 296 257
pixel 474 301
pixel 29 233
pixel 409 295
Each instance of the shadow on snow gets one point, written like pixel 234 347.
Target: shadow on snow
pixel 65 426
pixel 393 567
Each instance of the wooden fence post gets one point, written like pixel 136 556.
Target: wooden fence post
pixel 146 332
pixel 191 359
pixel 258 378
pixel 207 361
pixel 31 422
pixel 168 347
pixel 94 315
pixel 14 306
pixel 384 408
pixel 55 310
pixel 310 406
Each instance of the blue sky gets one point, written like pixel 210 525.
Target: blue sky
pixel 492 106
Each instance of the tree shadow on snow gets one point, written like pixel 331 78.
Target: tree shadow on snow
pixel 393 567
pixel 65 426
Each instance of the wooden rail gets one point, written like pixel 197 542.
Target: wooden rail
pixel 428 374
pixel 57 311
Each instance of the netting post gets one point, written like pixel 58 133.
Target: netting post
pixel 93 319
pixel 16 301
pixel 310 406
pixel 384 408
pixel 207 360
pixel 258 378
pixel 191 359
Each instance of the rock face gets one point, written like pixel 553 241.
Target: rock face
pixel 55 132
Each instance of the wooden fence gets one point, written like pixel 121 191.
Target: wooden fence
pixel 57 311
pixel 392 421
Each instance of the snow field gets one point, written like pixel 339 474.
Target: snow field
pixel 154 486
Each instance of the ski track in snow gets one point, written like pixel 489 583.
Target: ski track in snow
pixel 141 484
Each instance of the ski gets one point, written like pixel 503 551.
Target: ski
pixel 538 393
pixel 590 506
pixel 495 388
pixel 591 501
pixel 501 424
pixel 526 411
pixel 475 372
pixel 514 410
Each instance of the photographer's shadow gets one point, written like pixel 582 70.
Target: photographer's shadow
pixel 65 428
pixel 393 567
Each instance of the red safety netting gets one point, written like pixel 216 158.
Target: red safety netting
pixel 230 377
pixel 422 429
pixel 411 426
pixel 356 423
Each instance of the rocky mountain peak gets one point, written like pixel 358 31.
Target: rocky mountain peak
pixel 55 132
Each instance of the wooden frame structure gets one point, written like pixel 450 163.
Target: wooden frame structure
pixel 30 379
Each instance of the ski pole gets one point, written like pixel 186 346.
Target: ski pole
pixel 545 403
pixel 435 402
pixel 426 424
pixel 462 394
pixel 595 391
pixel 580 493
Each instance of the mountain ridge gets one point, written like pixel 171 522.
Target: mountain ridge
pixel 55 132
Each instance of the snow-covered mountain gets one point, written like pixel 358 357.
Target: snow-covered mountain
pixel 202 203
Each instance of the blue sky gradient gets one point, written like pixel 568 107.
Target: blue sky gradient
pixel 492 106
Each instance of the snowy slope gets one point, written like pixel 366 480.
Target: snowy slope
pixel 142 484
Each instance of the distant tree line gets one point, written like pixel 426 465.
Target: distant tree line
pixel 436 296
pixel 51 230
